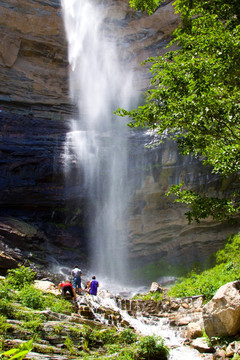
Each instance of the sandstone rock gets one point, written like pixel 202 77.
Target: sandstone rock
pixel 194 331
pixel 233 348
pixel 202 346
pixel 155 287
pixel 181 321
pixel 7 261
pixel 219 355
pixel 46 286
pixel 33 56
pixel 221 315
pixel 174 306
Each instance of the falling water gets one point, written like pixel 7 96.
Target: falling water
pixel 99 84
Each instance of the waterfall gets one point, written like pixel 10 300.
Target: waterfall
pixel 100 83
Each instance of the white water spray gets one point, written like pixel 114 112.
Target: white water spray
pixel 99 84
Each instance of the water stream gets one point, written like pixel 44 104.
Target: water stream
pixel 99 84
pixel 146 326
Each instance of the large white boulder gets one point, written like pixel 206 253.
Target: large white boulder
pixel 221 315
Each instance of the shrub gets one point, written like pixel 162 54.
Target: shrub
pixel 5 292
pixel 127 336
pixel 6 308
pixel 151 348
pixel 18 278
pixel 32 298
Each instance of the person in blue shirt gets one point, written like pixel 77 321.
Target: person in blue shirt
pixel 94 286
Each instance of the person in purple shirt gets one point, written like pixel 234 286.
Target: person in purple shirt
pixel 94 286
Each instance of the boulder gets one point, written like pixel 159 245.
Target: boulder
pixel 221 315
pixel 194 331
pixel 46 286
pixel 155 287
pixel 202 346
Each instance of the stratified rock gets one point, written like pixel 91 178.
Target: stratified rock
pixel 33 58
pixel 221 315
pixel 7 261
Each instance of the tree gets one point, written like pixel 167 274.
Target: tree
pixel 194 95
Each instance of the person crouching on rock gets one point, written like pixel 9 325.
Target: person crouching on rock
pixel 66 287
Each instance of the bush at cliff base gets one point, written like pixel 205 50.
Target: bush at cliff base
pixel 206 283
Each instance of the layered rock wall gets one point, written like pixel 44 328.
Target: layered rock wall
pixel 158 227
pixel 33 58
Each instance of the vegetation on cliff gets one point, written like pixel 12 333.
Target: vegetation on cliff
pixel 207 282
pixel 194 96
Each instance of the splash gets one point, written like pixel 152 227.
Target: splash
pixel 99 84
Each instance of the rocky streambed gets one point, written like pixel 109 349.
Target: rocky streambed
pixel 92 327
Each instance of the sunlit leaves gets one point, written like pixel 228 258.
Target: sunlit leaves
pixel 143 5
pixel 203 207
pixel 194 93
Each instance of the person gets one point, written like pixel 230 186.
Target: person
pixel 65 287
pixel 76 274
pixel 94 286
pixel 87 287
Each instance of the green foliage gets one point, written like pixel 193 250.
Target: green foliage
pixel 58 305
pixel 127 336
pixel 19 352
pixel 203 206
pixel 34 326
pixel 209 281
pixel 18 278
pixel 5 292
pixel 150 5
pixel 3 325
pixel 58 328
pixel 151 348
pixel 230 252
pixel 70 346
pixel 94 337
pixel 31 297
pixel 6 308
pixel 157 296
pixel 194 95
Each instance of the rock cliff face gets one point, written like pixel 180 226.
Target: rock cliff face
pixel 33 51
pixel 33 58
pixel 33 127
pixel 158 228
